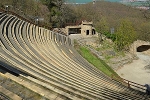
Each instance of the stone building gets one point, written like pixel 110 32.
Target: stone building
pixel 85 29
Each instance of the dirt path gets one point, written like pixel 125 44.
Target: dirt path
pixel 138 71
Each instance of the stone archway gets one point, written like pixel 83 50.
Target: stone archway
pixel 140 46
pixel 143 48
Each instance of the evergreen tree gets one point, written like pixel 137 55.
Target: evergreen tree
pixel 55 9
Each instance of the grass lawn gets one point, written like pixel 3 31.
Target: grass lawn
pixel 93 59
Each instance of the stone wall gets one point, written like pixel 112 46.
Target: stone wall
pixel 136 44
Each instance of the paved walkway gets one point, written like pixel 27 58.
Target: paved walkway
pixel 138 71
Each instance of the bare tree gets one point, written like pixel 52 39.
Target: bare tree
pixel 147 11
pixel 145 5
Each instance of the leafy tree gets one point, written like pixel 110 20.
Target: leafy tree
pixel 102 27
pixel 125 35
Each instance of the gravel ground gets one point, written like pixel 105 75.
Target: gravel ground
pixel 138 71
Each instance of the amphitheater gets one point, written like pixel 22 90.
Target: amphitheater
pixel 49 65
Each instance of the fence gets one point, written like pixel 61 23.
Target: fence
pixel 130 84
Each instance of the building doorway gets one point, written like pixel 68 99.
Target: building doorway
pixel 87 32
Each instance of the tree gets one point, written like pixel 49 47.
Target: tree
pixel 142 3
pixel 144 31
pixel 146 12
pixel 55 9
pixel 102 27
pixel 125 35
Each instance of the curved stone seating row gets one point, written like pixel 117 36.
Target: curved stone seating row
pixel 48 59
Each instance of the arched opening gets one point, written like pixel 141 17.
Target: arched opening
pixel 143 48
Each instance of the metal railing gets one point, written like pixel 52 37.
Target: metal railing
pixel 129 84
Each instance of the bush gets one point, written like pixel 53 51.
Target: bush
pixel 110 36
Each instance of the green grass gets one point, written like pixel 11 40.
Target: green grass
pixel 98 63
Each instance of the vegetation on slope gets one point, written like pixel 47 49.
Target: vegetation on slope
pixel 94 60
pixel 107 15
pixel 125 35
pixel 52 11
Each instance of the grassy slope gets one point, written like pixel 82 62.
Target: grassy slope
pixel 94 60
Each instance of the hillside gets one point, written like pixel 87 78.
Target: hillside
pixel 37 63
pixel 113 13
pixel 43 65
